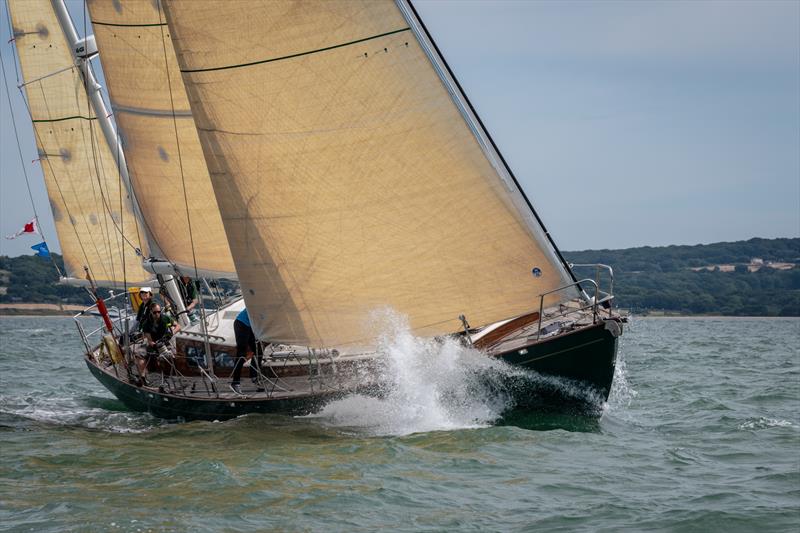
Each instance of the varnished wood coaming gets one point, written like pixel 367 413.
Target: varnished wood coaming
pixel 505 330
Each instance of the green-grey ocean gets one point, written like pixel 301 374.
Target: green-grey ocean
pixel 701 433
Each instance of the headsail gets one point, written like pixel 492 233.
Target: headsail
pixel 93 215
pixel 348 176
pixel 161 144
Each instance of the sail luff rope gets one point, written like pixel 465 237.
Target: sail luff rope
pixel 203 322
pixel 94 193
pixel 22 163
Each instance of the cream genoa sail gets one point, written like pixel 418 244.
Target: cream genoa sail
pixel 161 144
pixel 349 174
pixel 93 214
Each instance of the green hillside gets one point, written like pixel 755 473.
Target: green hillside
pixel 31 279
pixel 759 277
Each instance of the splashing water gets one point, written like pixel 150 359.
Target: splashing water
pixel 436 384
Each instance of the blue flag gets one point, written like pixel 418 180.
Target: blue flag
pixel 41 250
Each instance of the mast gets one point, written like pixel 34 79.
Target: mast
pixel 83 50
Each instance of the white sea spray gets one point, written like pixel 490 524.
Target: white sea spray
pixel 437 384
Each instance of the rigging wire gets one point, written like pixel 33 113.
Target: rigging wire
pixel 178 146
pixel 40 143
pixel 105 203
pixel 61 192
pixel 150 235
pixel 22 162
pixel 94 158
pixel 203 318
pixel 92 162
pixel 119 182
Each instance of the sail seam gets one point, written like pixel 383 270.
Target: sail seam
pixel 150 112
pixel 115 25
pixel 299 54
pixel 63 118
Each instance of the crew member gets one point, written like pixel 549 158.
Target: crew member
pixel 245 346
pixel 190 296
pixel 143 313
pixel 159 328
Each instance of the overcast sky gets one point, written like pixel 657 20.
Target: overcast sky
pixel 627 123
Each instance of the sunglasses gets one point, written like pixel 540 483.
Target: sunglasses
pixel 156 312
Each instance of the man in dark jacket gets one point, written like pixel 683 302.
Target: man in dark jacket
pixel 158 329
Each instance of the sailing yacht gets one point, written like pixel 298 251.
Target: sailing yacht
pixel 322 154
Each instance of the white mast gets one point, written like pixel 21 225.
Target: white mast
pixel 82 52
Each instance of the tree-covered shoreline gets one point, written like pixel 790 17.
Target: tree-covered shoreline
pixel 711 279
pixel 758 277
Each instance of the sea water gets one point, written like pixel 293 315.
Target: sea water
pixel 701 433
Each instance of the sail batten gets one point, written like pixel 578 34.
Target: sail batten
pixel 164 156
pixel 93 214
pixel 350 179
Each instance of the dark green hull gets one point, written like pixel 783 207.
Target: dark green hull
pixel 587 356
pixel 172 407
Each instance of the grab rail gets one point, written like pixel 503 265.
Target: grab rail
pixel 115 321
pixel 598 267
pixel 123 314
pixel 201 334
pixel 593 303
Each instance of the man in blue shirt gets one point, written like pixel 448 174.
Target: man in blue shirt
pixel 245 343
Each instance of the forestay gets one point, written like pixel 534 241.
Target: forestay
pixel 93 214
pixel 160 140
pixel 348 177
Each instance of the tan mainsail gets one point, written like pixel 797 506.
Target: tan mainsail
pixel 92 211
pixel 347 177
pixel 137 56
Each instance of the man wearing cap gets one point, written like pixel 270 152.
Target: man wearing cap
pixel 143 314
pixel 143 318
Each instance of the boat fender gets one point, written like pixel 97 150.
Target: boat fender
pixel 112 348
pixel 614 327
